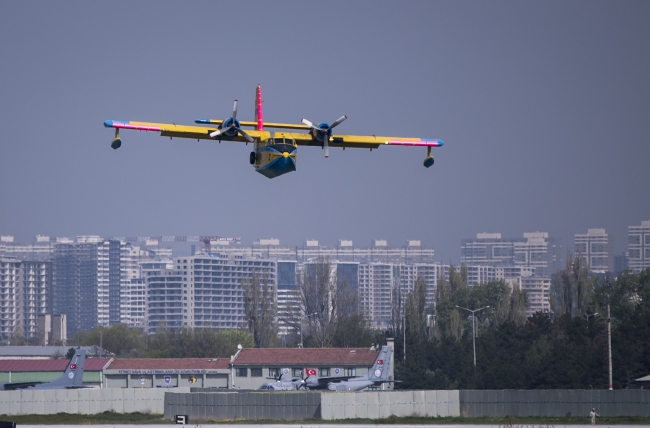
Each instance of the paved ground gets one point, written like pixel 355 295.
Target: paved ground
pixel 333 426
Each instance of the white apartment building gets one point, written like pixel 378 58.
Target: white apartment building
pixel 597 249
pixel 11 297
pixel 638 247
pixel 203 291
pixel 37 280
pixel 538 291
pixel 377 281
pixel 23 295
pixel 411 252
pixel 535 250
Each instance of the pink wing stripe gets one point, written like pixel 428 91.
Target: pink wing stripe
pixel 137 127
pixel 425 143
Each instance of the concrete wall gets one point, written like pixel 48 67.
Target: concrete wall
pixel 290 405
pixel 558 402
pixel 382 404
pixel 298 405
pixel 83 401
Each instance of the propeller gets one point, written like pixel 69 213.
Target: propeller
pixel 234 126
pixel 324 131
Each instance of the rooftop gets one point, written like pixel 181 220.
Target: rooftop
pixel 306 356
pixel 169 364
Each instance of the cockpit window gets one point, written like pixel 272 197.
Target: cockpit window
pixel 289 141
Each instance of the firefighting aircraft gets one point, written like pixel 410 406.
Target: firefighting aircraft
pixel 377 375
pixel 71 378
pixel 273 155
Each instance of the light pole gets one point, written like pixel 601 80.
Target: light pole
pixel 404 333
pixel 301 318
pixel 473 328
pixel 588 316
pixel 609 346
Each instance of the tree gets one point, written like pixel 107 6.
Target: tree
pixel 396 305
pixel 572 288
pixel 260 310
pixel 18 337
pixel 415 309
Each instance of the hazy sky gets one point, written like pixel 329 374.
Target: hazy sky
pixel 544 108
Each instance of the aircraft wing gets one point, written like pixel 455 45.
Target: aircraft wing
pixel 12 386
pixel 360 141
pixel 180 131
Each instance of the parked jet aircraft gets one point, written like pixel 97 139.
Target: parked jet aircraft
pixel 377 375
pixel 72 378
pixel 273 155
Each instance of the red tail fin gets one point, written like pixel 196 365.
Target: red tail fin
pixel 259 115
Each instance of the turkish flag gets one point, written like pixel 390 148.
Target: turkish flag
pixel 73 367
pixel 310 372
pixel 380 362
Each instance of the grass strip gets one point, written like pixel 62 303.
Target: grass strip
pixel 151 418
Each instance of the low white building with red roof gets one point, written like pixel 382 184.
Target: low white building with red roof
pixel 168 373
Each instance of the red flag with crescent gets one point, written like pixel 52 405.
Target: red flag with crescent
pixel 73 367
pixel 310 372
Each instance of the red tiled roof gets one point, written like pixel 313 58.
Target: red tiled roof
pixel 306 356
pixel 91 364
pixel 169 364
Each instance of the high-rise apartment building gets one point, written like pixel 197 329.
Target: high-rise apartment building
pixel 537 291
pixel 411 252
pixel 88 279
pixel 11 296
pixel 535 250
pixel 383 285
pixel 638 247
pixel 37 281
pixel 203 291
pixel 597 249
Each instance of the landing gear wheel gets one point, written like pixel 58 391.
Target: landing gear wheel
pixel 252 158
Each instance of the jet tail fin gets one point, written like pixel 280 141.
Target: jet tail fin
pixel 259 115
pixel 380 370
pixel 74 372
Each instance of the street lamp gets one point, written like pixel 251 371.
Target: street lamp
pixel 473 328
pixel 590 315
pixel 301 318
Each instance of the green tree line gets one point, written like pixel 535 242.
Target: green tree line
pixel 566 348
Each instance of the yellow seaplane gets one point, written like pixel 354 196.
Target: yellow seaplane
pixel 274 153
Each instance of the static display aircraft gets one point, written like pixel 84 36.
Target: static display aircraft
pixel 377 375
pixel 72 378
pixel 276 154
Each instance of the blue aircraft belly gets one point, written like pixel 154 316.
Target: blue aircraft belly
pixel 279 166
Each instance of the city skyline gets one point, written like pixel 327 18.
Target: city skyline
pixel 542 106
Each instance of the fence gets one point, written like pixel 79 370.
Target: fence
pixel 554 402
pixel 83 401
pixel 298 405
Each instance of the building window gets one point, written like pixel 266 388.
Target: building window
pixel 350 371
pixel 241 372
pixel 256 372
pixel 323 371
pixel 297 372
pixel 274 372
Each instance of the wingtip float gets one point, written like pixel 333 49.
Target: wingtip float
pixel 274 153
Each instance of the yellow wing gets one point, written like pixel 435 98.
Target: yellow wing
pixel 359 141
pixel 182 131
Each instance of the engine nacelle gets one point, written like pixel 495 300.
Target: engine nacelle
pixel 232 132
pixel 322 131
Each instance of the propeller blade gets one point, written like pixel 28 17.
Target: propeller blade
pixel 245 135
pixel 338 121
pixel 219 132
pixel 234 111
pixel 326 146
pixel 308 123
